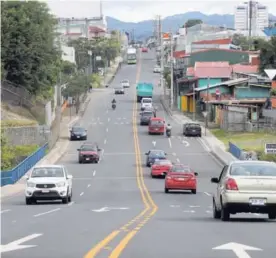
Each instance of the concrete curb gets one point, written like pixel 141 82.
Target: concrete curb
pixel 165 106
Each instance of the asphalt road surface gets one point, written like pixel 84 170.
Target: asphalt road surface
pixel 117 208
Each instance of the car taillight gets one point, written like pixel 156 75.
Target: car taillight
pixel 231 184
pixel 168 177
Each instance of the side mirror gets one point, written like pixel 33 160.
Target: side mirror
pixel 26 177
pixel 78 149
pixel 146 153
pixel 214 180
pixel 166 153
pixel 70 131
pixel 69 176
pixel 99 149
pixel 196 174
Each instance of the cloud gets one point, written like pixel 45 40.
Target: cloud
pixel 133 10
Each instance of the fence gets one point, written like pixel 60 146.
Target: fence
pixel 235 150
pixel 233 121
pixel 12 176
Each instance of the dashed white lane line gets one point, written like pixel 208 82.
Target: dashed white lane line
pixel 88 185
pixel 170 142
pixel 45 213
pixel 208 194
pixel 101 156
pixel 108 119
pixel 4 211
pixel 82 193
pixel 94 172
pixel 71 203
pixel 178 160
pixel 106 111
pixel 106 129
pixel 105 141
pixel 174 154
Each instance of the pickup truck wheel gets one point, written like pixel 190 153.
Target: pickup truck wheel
pixel 272 215
pixel 29 201
pixel 65 200
pixel 80 161
pixel 193 191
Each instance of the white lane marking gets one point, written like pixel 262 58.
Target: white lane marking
pixel 174 154
pixel 204 145
pixel 71 203
pixel 104 141
pixel 208 211
pixel 101 157
pixel 98 119
pixel 170 142
pixel 174 206
pixel 47 212
pixel 4 211
pixel 189 211
pixel 208 194
pixel 186 143
pixel 194 206
pixel 106 111
pixel 178 160
pixel 106 129
pixel 82 193
pixel 122 123
pixel 88 185
pixel 108 119
pixel 94 172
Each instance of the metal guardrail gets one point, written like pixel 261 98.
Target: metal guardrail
pixel 12 176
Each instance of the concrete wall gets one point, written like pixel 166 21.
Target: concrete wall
pixel 25 135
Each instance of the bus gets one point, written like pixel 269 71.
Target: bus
pixel 131 56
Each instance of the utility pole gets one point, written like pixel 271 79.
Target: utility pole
pixel 162 58
pixel 172 88
pixel 250 19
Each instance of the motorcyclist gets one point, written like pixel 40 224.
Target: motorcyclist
pixel 113 101
pixel 168 128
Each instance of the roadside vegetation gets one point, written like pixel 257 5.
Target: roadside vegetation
pixel 248 141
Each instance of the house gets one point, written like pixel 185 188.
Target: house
pixel 221 55
pixel 243 70
pixel 225 43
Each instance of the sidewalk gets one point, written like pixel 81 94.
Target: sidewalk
pixel 209 141
pixel 111 71
pixel 53 156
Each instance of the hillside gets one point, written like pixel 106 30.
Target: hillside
pixel 144 29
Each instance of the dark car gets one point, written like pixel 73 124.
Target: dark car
pixel 89 153
pixel 78 133
pixel 192 129
pixel 119 90
pixel 146 116
pixel 153 155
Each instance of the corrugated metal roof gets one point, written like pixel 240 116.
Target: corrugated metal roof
pixel 179 54
pixel 226 50
pixel 246 69
pixel 212 70
pixel 214 41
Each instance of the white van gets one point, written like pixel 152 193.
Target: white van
pixel 146 103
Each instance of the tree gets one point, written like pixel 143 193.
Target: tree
pixel 29 56
pixel 268 54
pixel 68 68
pixel 191 23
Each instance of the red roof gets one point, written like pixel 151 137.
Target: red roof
pixel 212 70
pixel 226 50
pixel 93 29
pixel 190 71
pixel 239 68
pixel 215 41
pixel 73 33
pixel 179 54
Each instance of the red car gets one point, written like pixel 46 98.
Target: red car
pixel 144 50
pixel 160 168
pixel 156 125
pixel 181 177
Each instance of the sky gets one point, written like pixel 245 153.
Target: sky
pixel 135 11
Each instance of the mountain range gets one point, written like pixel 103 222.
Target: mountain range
pixel 144 29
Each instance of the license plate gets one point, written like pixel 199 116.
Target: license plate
pixel 45 191
pixel 181 179
pixel 257 201
pixel 87 159
pixel 78 136
pixel 156 129
pixel 193 131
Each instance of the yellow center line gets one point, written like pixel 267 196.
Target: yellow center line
pixel 149 203
pixel 141 186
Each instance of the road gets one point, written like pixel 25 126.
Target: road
pixel 117 208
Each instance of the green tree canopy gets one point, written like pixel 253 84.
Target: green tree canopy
pixel 29 56
pixel 191 23
pixel 267 54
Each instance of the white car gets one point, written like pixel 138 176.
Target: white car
pixel 245 187
pixel 146 103
pixel 49 182
pixel 157 69
pixel 125 83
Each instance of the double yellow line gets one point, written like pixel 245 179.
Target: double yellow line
pixel 131 228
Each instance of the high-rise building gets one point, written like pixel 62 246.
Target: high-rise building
pixel 251 16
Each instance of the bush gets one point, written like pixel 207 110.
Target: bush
pixel 267 157
pixel 11 156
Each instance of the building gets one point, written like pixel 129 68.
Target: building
pixel 251 16
pixel 224 43
pixel 74 28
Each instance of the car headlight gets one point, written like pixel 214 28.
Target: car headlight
pixel 60 184
pixel 30 184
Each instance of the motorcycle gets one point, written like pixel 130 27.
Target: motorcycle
pixel 168 133
pixel 113 106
